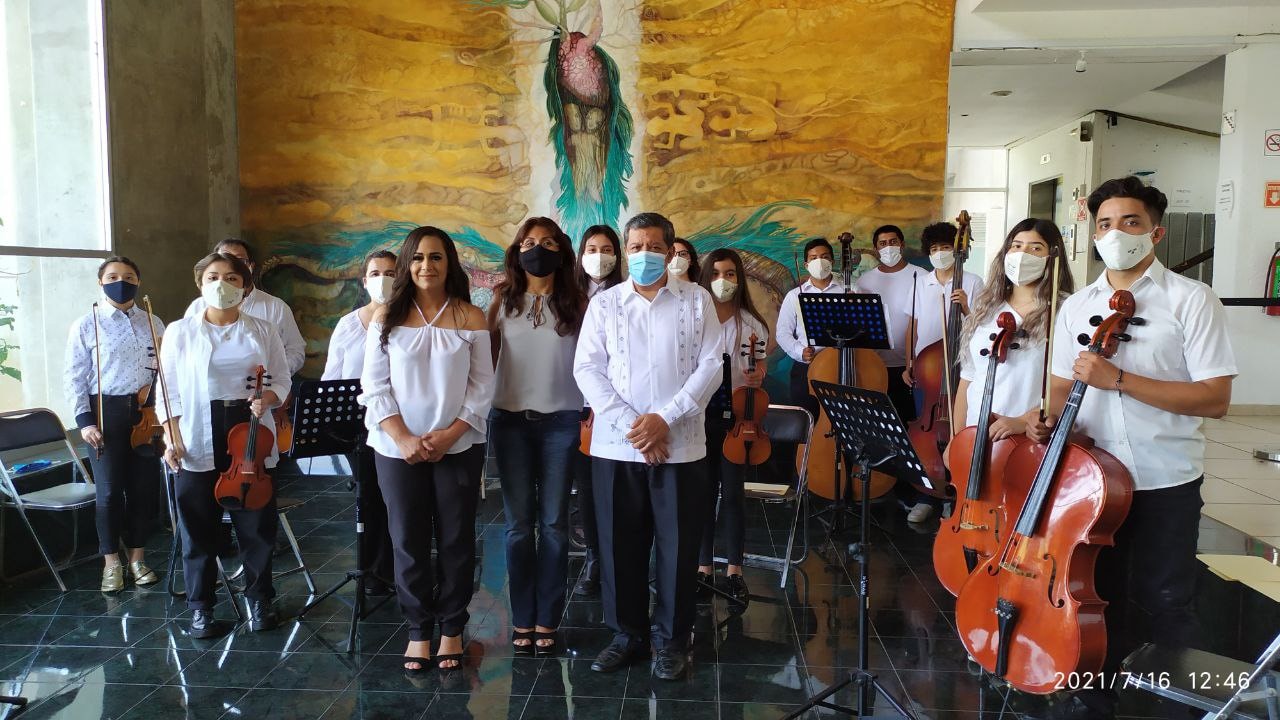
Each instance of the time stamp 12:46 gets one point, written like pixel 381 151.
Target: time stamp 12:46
pixel 1120 680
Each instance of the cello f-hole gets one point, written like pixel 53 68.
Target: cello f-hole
pixel 1053 578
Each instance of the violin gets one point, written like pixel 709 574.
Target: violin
pixel 858 367
pixel 246 485
pixel 985 495
pixel 147 435
pixel 1030 613
pixel 747 443
pixel 284 425
pixel 934 370
pixel 584 433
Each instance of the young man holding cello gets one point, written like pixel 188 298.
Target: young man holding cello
pixel 1146 409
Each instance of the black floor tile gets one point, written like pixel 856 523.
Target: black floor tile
pixel 370 705
pixel 558 708
pixel 284 704
pixel 86 700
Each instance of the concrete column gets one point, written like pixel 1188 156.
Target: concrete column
pixel 1247 236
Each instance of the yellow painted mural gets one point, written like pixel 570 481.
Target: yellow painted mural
pixel 751 123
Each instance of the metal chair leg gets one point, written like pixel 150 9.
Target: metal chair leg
pixel 22 513
pixel 231 591
pixel 176 545
pixel 297 553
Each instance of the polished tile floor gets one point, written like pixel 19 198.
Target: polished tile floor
pixel 86 655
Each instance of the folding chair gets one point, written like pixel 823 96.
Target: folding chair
pixel 37 435
pixel 786 425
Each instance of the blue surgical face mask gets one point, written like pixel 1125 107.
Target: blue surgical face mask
pixel 645 267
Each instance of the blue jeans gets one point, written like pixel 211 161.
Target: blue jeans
pixel 535 453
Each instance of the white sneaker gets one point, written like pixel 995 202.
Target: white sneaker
pixel 920 512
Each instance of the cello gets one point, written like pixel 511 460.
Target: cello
pixel 985 495
pixel 747 443
pixel 245 485
pixel 1030 613
pixel 858 367
pixel 934 369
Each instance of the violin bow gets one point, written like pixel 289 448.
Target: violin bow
pixel 1046 396
pixel 914 334
pixel 97 354
pixel 174 434
pixel 946 366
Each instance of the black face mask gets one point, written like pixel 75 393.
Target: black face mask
pixel 540 261
pixel 121 291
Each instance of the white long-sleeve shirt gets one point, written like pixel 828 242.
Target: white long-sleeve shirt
pixel 126 357
pixel 346 349
pixel 429 376
pixel 637 356
pixel 929 317
pixel 274 311
pixel 1184 339
pixel 185 355
pixel 790 333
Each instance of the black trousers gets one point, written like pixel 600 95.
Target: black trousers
pixel 126 482
pixel 638 507
pixel 200 521
pixel 1149 576
pixel 423 501
pixel 725 481
pixel 377 555
pixel 800 388
pixel 586 502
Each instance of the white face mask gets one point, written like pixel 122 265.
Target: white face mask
pixel 598 265
pixel 890 255
pixel 380 288
pixel 819 268
pixel 678 265
pixel 221 294
pixel 1023 268
pixel 723 289
pixel 1121 251
pixel 942 259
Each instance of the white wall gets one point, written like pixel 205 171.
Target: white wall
pixel 1068 159
pixel 977 181
pixel 1182 161
pixel 1246 237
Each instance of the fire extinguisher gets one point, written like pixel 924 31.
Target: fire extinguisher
pixel 1273 282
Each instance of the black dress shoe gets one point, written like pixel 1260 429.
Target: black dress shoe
pixel 620 653
pixel 204 626
pixel 262 615
pixel 737 587
pixel 670 664
pixel 375 587
pixel 705 583
pixel 589 585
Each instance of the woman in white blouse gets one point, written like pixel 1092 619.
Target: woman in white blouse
pixel 599 268
pixel 345 362
pixel 1020 282
pixel 739 320
pixel 125 479
pixel 428 386
pixel 534 319
pixel 209 362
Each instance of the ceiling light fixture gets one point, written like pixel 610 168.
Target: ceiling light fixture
pixel 1081 65
pixel 1002 93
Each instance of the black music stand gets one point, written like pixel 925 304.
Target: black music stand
pixel 327 420
pixel 871 435
pixel 843 321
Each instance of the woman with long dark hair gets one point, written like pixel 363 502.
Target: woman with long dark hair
pixel 428 385
pixel 684 264
pixel 726 280
pixel 534 321
pixel 599 268
pixel 1020 281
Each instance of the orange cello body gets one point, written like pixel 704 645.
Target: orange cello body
pixel 284 425
pixel 988 497
pixel 1030 613
pixel 933 426
pixel 870 374
pixel 246 485
pixel 747 443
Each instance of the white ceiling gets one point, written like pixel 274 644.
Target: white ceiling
pixel 1058 5
pixel 1048 93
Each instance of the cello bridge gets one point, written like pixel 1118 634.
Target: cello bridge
pixel 973 526
pixel 1016 570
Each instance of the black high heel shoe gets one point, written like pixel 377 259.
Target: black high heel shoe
pixel 526 649
pixel 549 649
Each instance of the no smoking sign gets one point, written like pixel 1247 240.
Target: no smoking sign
pixel 1271 146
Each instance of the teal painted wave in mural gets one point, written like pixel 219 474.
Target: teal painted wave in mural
pixel 759 233
pixel 353 246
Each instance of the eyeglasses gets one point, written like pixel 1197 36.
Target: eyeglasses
pixel 548 243
pixel 683 253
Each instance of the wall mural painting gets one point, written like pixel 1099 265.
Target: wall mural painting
pixel 752 124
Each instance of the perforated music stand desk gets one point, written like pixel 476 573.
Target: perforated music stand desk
pixel 844 320
pixel 866 423
pixel 327 420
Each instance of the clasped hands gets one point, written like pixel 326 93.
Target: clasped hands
pixel 650 436
pixel 428 447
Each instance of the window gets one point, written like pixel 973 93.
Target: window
pixel 976 181
pixel 54 191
